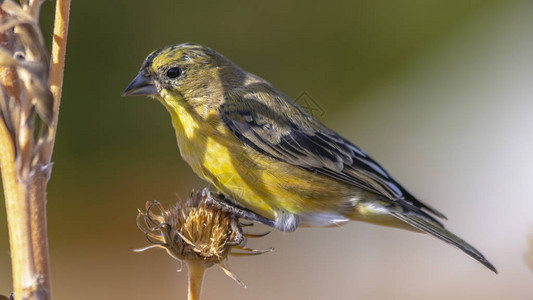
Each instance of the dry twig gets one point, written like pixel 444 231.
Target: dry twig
pixel 28 121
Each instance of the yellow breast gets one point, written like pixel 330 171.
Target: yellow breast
pixel 257 182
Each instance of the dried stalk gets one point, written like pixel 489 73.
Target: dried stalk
pixel 25 147
pixel 196 277
pixel 57 65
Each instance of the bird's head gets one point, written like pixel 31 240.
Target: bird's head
pixel 186 73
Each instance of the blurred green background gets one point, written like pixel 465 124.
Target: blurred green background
pixel 439 92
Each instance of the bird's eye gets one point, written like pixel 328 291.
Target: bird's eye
pixel 173 72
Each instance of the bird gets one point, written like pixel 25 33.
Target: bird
pixel 274 161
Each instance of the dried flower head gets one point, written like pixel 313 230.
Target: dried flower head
pixel 195 231
pixel 24 86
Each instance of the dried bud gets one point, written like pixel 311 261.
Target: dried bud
pixel 196 232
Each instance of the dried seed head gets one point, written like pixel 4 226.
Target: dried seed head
pixel 25 95
pixel 195 231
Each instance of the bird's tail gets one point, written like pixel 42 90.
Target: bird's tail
pixel 440 232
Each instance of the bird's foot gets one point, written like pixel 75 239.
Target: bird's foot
pixel 285 221
pixel 226 205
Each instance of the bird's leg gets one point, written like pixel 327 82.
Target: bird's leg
pixel 228 206
pixel 285 221
pixel 237 230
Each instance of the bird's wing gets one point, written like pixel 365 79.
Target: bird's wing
pixel 272 124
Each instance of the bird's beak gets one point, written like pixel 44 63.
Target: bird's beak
pixel 140 86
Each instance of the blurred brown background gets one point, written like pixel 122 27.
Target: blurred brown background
pixel 439 92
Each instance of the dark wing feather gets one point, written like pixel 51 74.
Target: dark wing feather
pixel 270 123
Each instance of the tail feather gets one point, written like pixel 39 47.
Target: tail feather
pixel 443 234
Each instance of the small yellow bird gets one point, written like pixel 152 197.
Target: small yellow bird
pixel 266 153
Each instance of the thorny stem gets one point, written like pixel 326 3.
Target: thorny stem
pixel 196 277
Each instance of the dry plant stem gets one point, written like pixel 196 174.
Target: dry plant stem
pixel 40 180
pixel 57 64
pixel 17 198
pixel 26 199
pixel 17 204
pixel 39 234
pixel 196 277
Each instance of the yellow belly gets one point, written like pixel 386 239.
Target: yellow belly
pixel 266 185
pixel 252 179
